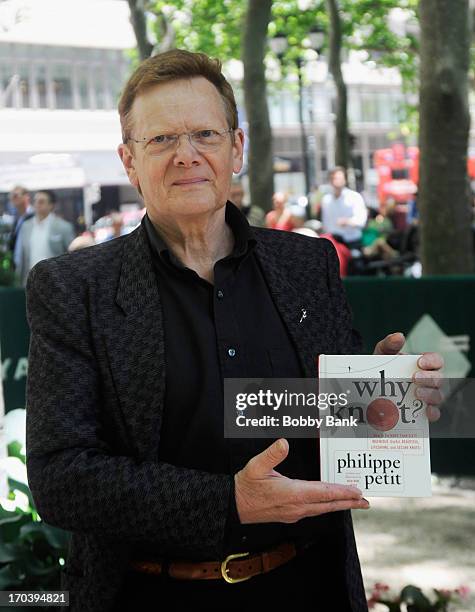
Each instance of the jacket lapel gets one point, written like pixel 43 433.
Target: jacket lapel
pixel 300 305
pixel 136 347
pixel 135 335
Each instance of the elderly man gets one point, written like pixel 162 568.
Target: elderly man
pixel 131 341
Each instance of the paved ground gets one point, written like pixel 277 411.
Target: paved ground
pixel 428 542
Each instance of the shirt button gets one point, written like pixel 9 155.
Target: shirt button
pixel 244 539
pixel 220 295
pixel 232 352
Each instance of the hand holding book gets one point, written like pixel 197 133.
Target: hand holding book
pixel 427 380
pixel 387 453
pixel 263 495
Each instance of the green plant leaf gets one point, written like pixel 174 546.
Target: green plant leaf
pixel 413 595
pixel 21 486
pixel 56 538
pixel 14 450
pixel 34 567
pixel 9 552
pixel 10 527
pixel 8 578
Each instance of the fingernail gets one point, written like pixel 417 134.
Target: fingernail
pixel 364 502
pixel 356 490
pixel 396 333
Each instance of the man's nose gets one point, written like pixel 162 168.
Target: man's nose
pixel 185 152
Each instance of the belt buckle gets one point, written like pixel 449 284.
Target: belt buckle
pixel 225 570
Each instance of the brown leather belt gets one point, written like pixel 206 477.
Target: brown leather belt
pixel 235 568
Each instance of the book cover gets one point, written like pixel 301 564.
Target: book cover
pixel 378 437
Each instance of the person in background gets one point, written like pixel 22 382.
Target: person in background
pixel 397 212
pixel 344 212
pixel 298 216
pixel 81 242
pixel 44 235
pixel 254 214
pixel 279 201
pixel 117 226
pixel 315 201
pixel 412 210
pixel 20 198
pixel 378 226
pixel 343 253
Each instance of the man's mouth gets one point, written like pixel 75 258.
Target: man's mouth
pixel 190 181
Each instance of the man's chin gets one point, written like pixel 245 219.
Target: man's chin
pixel 189 206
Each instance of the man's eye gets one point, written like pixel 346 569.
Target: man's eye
pixel 205 134
pixel 159 139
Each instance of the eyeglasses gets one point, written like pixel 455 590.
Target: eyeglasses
pixel 202 140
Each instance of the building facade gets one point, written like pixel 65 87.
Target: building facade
pixel 62 66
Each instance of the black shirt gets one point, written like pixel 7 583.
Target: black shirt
pixel 229 329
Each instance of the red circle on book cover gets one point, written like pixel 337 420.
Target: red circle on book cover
pixel 382 414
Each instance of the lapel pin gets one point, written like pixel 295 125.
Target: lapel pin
pixel 304 315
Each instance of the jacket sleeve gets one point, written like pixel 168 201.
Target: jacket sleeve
pixel 78 483
pixel 347 339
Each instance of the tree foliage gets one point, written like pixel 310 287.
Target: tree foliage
pixel 216 28
pixel 208 26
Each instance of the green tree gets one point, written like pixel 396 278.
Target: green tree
pixel 335 42
pixel 261 177
pixel 217 28
pixel 139 24
pixel 142 14
pixel 444 199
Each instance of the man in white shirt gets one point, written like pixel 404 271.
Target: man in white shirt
pixel 20 198
pixel 344 212
pixel 43 236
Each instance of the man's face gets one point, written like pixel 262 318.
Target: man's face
pixel 278 201
pixel 42 205
pixel 338 180
pixel 181 182
pixel 236 195
pixel 19 199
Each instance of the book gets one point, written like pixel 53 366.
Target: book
pixel 377 437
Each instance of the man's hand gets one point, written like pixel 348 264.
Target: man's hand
pixel 427 380
pixel 343 221
pixel 265 496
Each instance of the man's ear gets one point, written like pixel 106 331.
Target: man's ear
pixel 238 150
pixel 128 161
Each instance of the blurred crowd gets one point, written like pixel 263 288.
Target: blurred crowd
pixel 368 241
pixel 36 230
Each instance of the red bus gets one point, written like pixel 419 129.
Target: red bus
pixel 398 173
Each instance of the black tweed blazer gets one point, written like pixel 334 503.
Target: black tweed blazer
pixel 95 395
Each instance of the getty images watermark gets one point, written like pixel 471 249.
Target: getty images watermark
pixel 299 408
pixel 291 400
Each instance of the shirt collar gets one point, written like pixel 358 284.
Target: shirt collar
pixel 44 222
pixel 243 240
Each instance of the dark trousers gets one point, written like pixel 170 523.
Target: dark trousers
pixel 306 582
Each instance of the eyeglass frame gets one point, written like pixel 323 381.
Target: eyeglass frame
pixel 146 141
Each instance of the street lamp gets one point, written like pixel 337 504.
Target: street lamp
pixel 279 45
